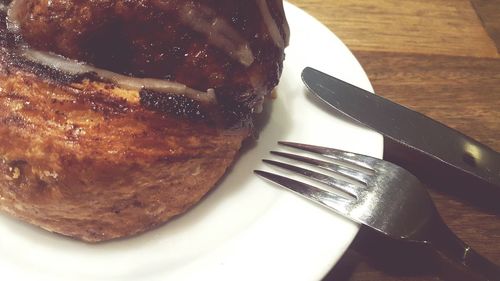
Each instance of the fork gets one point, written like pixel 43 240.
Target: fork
pixel 381 196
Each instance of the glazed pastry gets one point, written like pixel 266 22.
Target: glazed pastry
pixel 116 116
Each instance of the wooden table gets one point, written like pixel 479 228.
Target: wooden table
pixel 441 58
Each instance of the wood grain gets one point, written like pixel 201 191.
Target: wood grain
pixel 461 92
pixel 441 58
pixel 420 26
pixel 489 14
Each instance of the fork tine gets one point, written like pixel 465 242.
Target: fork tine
pixel 330 200
pixel 337 154
pixel 352 174
pixel 344 186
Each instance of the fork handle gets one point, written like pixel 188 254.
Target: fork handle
pixel 449 246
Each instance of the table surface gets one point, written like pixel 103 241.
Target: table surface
pixel 438 57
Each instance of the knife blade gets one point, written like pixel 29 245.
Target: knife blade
pixel 439 155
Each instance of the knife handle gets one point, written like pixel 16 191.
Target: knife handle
pixel 459 255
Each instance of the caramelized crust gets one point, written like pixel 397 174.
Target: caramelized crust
pixel 84 164
pixel 96 155
pixel 219 44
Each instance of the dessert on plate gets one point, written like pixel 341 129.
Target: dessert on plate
pixel 116 116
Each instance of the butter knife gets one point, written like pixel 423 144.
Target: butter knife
pixel 440 156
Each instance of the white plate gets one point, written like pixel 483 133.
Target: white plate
pixel 246 229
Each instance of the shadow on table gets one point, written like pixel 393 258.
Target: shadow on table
pixel 391 260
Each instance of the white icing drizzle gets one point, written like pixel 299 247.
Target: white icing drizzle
pixel 13 11
pixel 202 19
pixel 131 83
pixel 218 32
pixel 271 24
